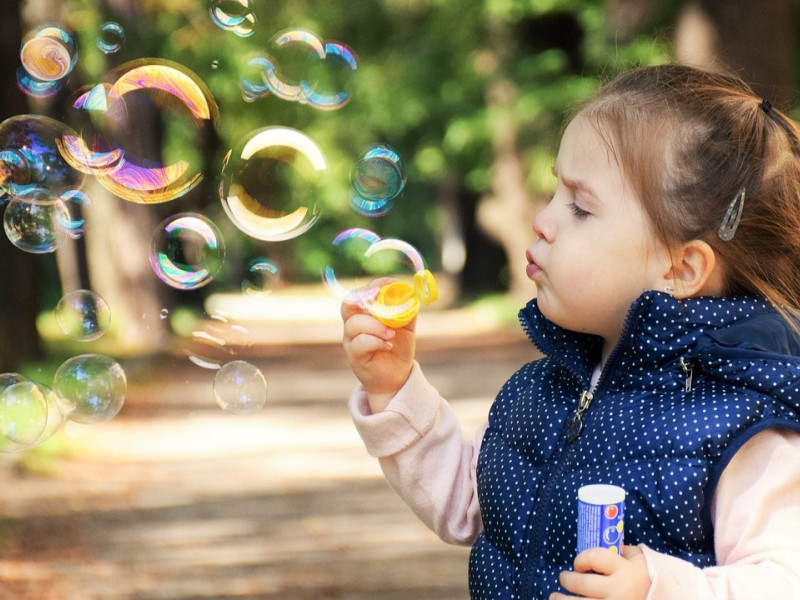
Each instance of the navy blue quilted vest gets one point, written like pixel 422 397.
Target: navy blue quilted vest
pixel 688 383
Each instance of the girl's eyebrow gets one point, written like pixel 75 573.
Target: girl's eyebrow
pixel 574 184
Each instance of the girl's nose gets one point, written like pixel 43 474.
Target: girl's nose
pixel 542 225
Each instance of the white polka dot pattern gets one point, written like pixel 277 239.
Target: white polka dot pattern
pixel 643 431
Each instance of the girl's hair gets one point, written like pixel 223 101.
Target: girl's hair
pixel 688 141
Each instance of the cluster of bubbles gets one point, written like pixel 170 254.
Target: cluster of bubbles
pixel 88 388
pixel 301 67
pixel 270 188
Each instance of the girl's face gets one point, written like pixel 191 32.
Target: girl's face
pixel 596 252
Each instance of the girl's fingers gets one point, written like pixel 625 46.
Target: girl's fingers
pixel 363 346
pixel 361 323
pixel 586 585
pixel 597 560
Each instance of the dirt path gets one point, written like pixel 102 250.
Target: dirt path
pixel 176 499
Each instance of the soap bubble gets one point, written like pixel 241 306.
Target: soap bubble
pixel 240 388
pixel 90 387
pixel 111 37
pixel 75 200
pixel 14 171
pixel 31 158
pixel 350 247
pixel 109 112
pixel 49 53
pixel 34 221
pixel 29 412
pixel 328 89
pixel 270 183
pixel 23 413
pixel 217 341
pixel 55 414
pixel 376 179
pixel 293 56
pixel 233 15
pixel 253 85
pixel 187 251
pixel 261 277
pixel 83 315
pixel 26 392
pixel 30 86
pixel 393 301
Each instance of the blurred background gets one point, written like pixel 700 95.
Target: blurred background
pixel 188 486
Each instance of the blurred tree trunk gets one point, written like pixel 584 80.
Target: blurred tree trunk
pixel 19 271
pixel 756 40
pixel 505 213
pixel 119 232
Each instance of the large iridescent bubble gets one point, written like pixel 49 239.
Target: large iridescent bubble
pixel 271 183
pixel 104 148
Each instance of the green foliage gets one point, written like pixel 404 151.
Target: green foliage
pixel 425 72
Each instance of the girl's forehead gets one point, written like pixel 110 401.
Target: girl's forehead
pixel 586 145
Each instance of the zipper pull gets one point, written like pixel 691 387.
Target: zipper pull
pixel 688 368
pixel 575 423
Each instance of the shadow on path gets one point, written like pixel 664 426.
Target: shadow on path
pixel 176 499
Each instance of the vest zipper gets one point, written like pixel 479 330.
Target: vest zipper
pixel 575 424
pixel 562 461
pixel 688 369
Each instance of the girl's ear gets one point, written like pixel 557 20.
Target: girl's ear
pixel 695 271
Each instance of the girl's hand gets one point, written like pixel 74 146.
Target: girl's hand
pixel 604 575
pixel 380 357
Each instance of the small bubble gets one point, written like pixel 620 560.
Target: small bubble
pixel 83 315
pixel 261 278
pixel 376 179
pixel 90 387
pixel 33 221
pixel 49 53
pixel 187 251
pixel 111 37
pixel 240 388
pixel 23 411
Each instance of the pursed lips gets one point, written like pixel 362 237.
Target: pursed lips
pixel 533 270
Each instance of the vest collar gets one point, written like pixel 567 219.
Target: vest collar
pixel 658 330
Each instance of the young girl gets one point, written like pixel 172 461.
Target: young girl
pixel 667 270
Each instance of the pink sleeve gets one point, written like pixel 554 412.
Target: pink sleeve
pixel 756 512
pixel 424 456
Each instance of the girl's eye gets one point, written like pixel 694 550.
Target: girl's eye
pixel 578 211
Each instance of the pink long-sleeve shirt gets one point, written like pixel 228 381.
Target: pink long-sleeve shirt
pixel 429 462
